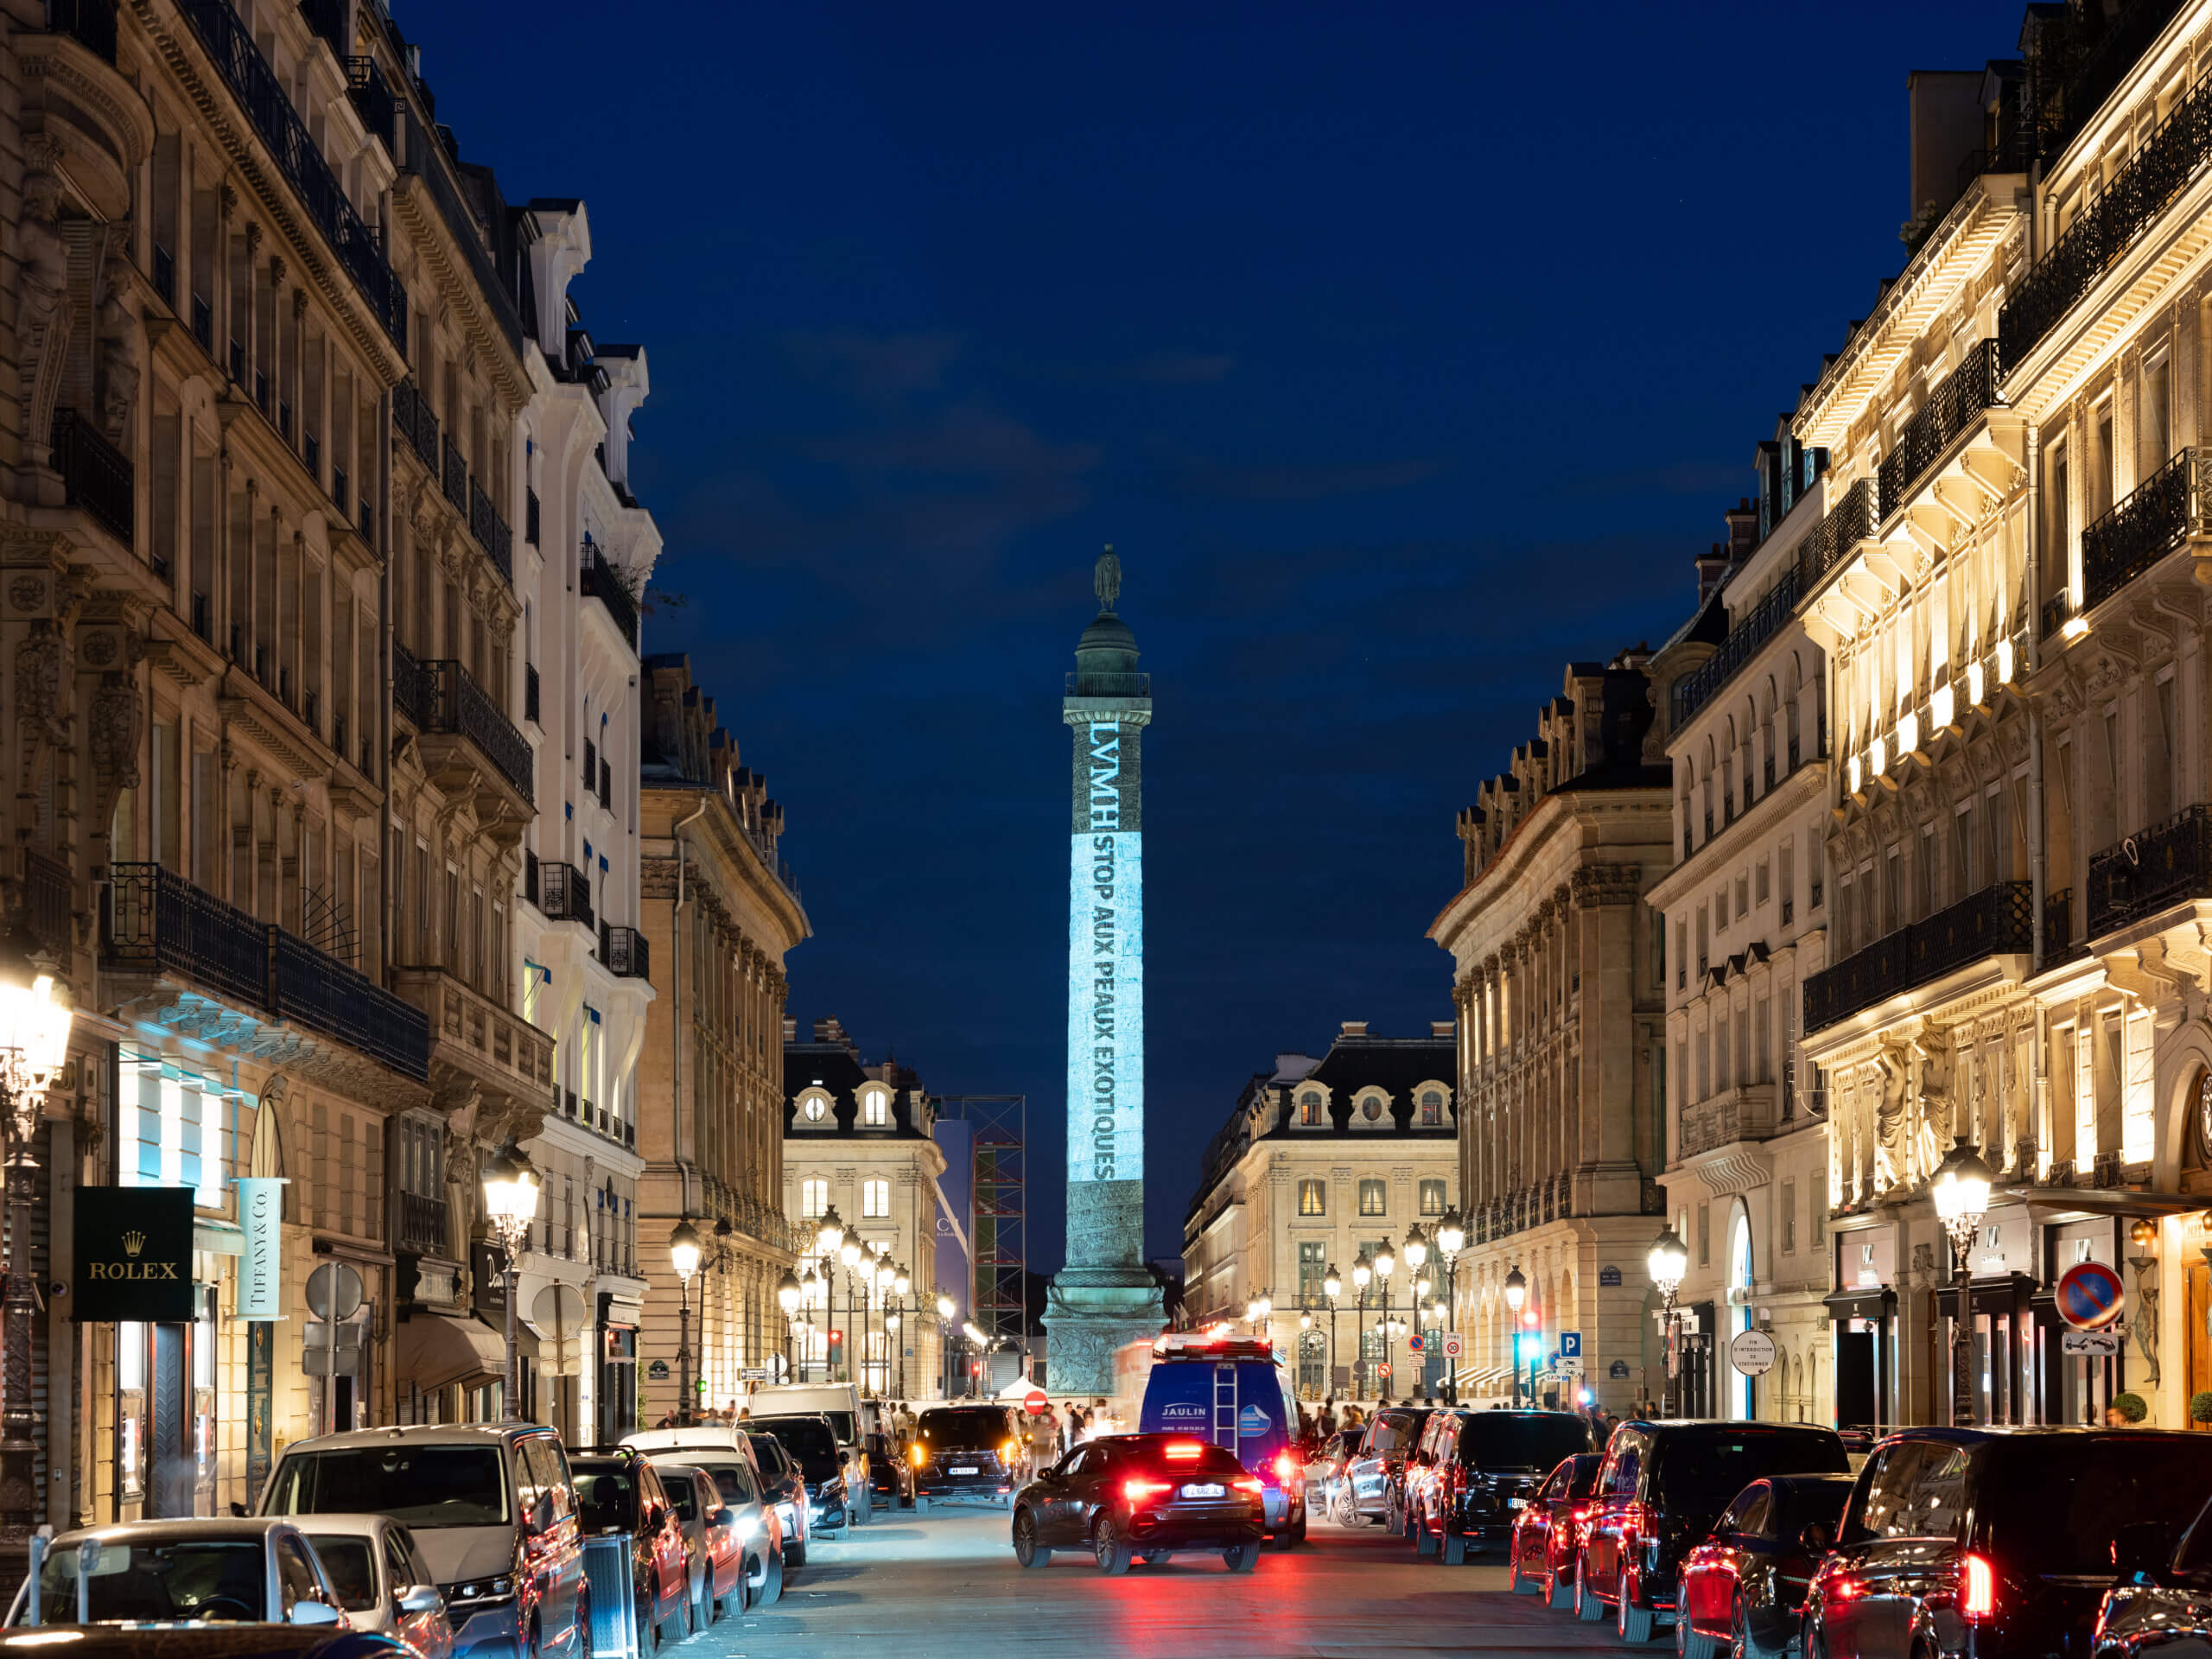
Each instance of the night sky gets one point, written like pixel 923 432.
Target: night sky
pixel 1402 352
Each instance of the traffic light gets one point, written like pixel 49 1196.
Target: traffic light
pixel 836 1347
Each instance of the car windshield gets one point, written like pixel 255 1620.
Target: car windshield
pixel 808 1439
pixel 1497 1439
pixel 218 1580
pixel 683 1496
pixel 1698 1473
pixel 345 1563
pixel 2055 1503
pixel 840 1424
pixel 964 1427
pixel 769 1454
pixel 1393 1435
pixel 607 1498
pixel 734 1481
pixel 418 1485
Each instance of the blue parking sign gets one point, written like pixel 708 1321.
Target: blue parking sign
pixel 1570 1344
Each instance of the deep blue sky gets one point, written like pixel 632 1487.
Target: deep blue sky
pixel 1403 353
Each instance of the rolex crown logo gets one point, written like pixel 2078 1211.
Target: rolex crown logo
pixel 133 1242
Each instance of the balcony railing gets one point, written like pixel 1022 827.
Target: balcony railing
pixel 1966 393
pixel 2158 173
pixel 490 531
pixel 155 921
pixel 453 702
pixel 455 477
pixel 2144 873
pixel 1109 685
pixel 257 88
pixel 410 687
pixel 373 101
pixel 564 893
pixel 2070 76
pixel 1695 689
pixel 1849 521
pixel 601 582
pixel 2060 943
pixel 2174 502
pixel 91 23
pixel 419 1226
pixel 413 419
pixel 1997 920
pixel 331 21
pixel 626 953
pixel 95 475
pixel 1746 1113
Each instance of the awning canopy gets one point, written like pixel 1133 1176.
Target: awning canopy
pixel 436 1351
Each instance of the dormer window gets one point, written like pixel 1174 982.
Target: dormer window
pixel 1432 1110
pixel 875 1108
pixel 1311 1114
pixel 815 1111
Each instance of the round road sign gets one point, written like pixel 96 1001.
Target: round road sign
pixel 2089 1296
pixel 1034 1402
pixel 1751 1352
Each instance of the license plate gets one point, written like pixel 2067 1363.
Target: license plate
pixel 1206 1491
pixel 1517 1503
pixel 970 1470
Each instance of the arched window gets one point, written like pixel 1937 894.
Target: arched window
pixel 875 1108
pixel 1309 1109
pixel 1431 1108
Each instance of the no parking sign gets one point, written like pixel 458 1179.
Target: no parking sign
pixel 2089 1296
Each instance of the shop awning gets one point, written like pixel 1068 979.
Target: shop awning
pixel 2051 1203
pixel 436 1351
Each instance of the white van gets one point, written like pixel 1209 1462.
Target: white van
pixel 841 1403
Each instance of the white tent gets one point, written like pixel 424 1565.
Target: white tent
pixel 1017 1390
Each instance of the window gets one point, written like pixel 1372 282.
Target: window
pixel 1311 1112
pixel 813 1199
pixel 1760 886
pixel 173 1133
pixel 875 1197
pixel 1431 1198
pixel 1371 1108
pixel 1313 1270
pixel 1705 1234
pixel 876 1109
pixel 1314 1198
pixel 2152 421
pixel 1432 1110
pixel 1370 1198
pixel 1789 1218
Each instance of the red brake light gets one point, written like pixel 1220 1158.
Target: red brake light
pixel 1284 1467
pixel 1138 1490
pixel 1182 1451
pixel 1977 1588
pixel 1246 1483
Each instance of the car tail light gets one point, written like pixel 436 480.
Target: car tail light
pixel 1182 1451
pixel 1246 1483
pixel 1977 1589
pixel 921 1455
pixel 1140 1491
pixel 1284 1467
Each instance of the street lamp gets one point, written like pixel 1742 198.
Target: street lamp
pixel 1331 1287
pixel 1516 1291
pixel 683 1253
pixel 1415 1251
pixel 510 1205
pixel 1960 1189
pixel 787 1295
pixel 1256 1312
pixel 1363 1271
pixel 809 1297
pixel 1669 1260
pixel 849 1256
pixel 945 1307
pixel 1386 1263
pixel 1451 1239
pixel 34 1045
pixel 901 1282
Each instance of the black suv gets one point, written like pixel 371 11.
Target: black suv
pixel 967 1452
pixel 2164 1604
pixel 1488 1466
pixel 2002 1540
pixel 1662 1487
pixel 809 1440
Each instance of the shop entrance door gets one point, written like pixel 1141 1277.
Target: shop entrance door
pixel 1858 1374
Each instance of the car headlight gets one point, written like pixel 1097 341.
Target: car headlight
pixel 748 1526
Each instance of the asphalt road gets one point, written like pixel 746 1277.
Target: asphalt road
pixel 946 1584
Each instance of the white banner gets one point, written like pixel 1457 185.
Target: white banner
pixel 1106 1007
pixel 260 1263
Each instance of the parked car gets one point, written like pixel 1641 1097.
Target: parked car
pixel 2163 1605
pixel 1142 1498
pixel 1327 1490
pixel 2009 1536
pixel 784 1485
pixel 1235 1394
pixel 381 1581
pixel 840 1404
pixel 1379 1464
pixel 491 1505
pixel 890 1478
pixel 810 1443
pixel 1744 1588
pixel 231 1571
pixel 1483 1470
pixel 967 1451
pixel 711 1546
pixel 1662 1487
pixel 1416 1494
pixel 1547 1536
pixel 221 1642
pixel 619 1494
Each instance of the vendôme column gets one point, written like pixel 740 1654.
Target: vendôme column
pixel 1104 1296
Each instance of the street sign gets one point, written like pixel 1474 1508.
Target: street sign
pixel 1416 1343
pixel 1384 1368
pixel 754 1374
pixel 1453 1347
pixel 1034 1402
pixel 335 1292
pixel 1567 1365
pixel 1570 1344
pixel 2101 1342
pixel 2089 1296
pixel 658 1371
pixel 1751 1352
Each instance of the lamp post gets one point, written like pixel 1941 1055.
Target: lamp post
pixel 787 1295
pixel 1669 1260
pixel 1451 1239
pixel 945 1308
pixel 1415 1251
pixel 849 1256
pixel 901 1282
pixel 1516 1291
pixel 809 1296
pixel 510 1205
pixel 33 1044
pixel 1386 1263
pixel 1363 1271
pixel 1960 1189
pixel 1256 1312
pixel 1331 1287
pixel 885 1275
pixel 684 1256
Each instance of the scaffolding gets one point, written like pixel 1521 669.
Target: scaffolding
pixel 998 1129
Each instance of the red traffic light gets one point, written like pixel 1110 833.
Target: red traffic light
pixel 837 1335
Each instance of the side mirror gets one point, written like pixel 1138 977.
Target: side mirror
pixel 725 1516
pixel 2141 1547
pixel 421 1598
pixel 306 1611
pixel 1815 1539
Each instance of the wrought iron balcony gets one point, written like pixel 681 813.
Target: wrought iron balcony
pixel 373 101
pixel 490 531
pixel 2060 942
pixel 2080 55
pixel 413 419
pixel 600 581
pixel 455 475
pixel 1998 920
pixel 563 893
pixel 1694 690
pixel 331 21
pixel 419 1225
pixel 1966 392
pixel 95 475
pixel 325 994
pixel 2054 612
pixel 254 84
pixel 2173 503
pixel 2161 168
pixel 1849 521
pixel 2141 874
pixel 626 953
pixel 453 702
pixel 410 687
pixel 91 23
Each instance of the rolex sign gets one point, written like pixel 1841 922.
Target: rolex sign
pixel 134 1254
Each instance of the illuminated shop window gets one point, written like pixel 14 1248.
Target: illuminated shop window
pixel 175 1127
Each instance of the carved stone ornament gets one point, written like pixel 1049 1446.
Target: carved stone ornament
pixel 40 664
pixel 118 348
pixel 116 722
pixel 42 304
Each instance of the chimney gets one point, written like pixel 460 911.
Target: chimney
pixel 1711 569
pixel 828 1030
pixel 790 1028
pixel 1355 1028
pixel 1443 1029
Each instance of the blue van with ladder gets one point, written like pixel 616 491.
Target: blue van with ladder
pixel 1235 1393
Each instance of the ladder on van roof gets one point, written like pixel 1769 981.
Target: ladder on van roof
pixel 1223 1431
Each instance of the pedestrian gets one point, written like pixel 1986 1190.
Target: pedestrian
pixel 745 1414
pixel 667 1418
